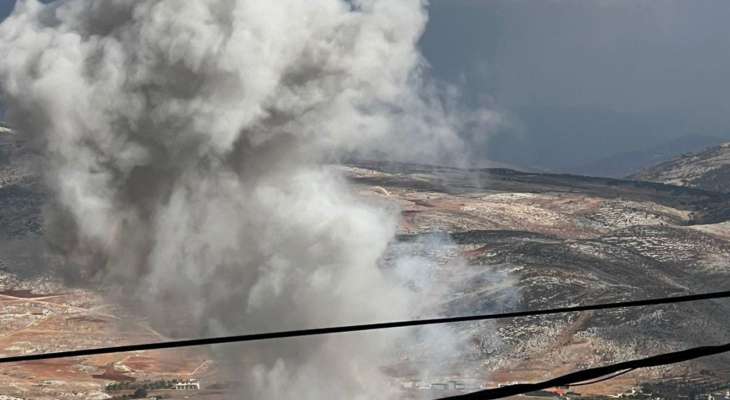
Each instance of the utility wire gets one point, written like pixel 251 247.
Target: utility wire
pixel 357 328
pixel 605 378
pixel 593 373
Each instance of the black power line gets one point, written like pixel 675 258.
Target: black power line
pixel 594 373
pixel 357 328
pixel 616 375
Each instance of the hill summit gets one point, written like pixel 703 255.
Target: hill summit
pixel 708 169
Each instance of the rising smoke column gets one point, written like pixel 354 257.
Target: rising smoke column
pixel 185 148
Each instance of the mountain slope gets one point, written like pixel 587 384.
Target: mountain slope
pixel 708 170
pixel 473 241
pixel 624 163
pixel 536 241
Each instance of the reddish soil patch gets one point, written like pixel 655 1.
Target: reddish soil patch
pixel 111 375
pixel 62 369
pixel 143 362
pixel 165 362
pixel 423 203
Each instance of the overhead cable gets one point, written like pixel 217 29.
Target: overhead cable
pixel 594 373
pixel 356 328
pixel 605 378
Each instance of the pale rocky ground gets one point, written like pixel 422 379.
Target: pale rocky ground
pixel 558 241
pixel 475 241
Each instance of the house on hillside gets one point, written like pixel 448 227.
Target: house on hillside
pixel 189 384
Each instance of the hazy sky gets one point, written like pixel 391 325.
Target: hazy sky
pixel 628 55
pixel 584 78
pixel 581 79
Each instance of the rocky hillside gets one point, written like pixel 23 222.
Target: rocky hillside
pixel 21 196
pixel 624 163
pixel 708 170
pixel 473 241
pixel 528 241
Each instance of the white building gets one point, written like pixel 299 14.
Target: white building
pixel 190 384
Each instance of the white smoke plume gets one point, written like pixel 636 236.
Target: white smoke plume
pixel 186 148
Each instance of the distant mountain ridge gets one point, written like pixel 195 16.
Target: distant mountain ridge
pixel 571 138
pixel 625 163
pixel 708 170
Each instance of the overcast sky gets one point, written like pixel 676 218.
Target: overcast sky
pixel 628 55
pixel 588 77
pixel 5 7
pixel 584 78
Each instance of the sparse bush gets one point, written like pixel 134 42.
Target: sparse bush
pixel 146 385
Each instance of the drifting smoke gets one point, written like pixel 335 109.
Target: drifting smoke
pixel 434 267
pixel 186 147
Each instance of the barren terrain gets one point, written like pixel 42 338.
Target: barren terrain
pixel 560 240
pixel 493 239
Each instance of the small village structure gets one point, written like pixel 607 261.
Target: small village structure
pixel 189 384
